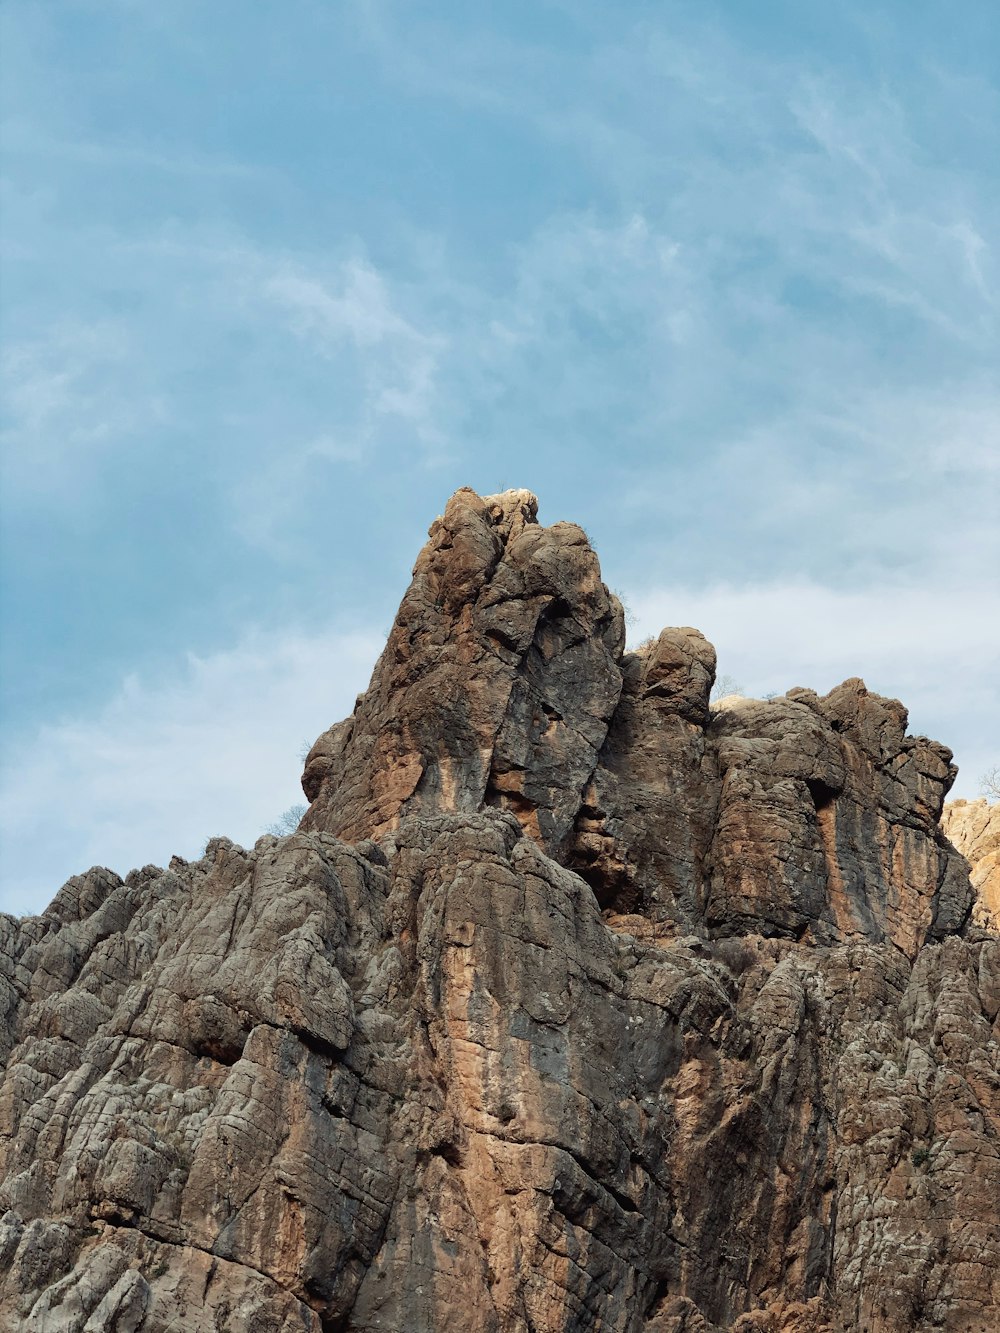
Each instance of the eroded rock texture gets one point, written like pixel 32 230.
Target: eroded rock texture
pixel 575 1003
pixel 974 828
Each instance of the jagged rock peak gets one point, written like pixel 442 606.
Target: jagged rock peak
pixel 505 683
pixel 496 687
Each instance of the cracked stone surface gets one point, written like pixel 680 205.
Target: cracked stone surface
pixel 974 828
pixel 575 1003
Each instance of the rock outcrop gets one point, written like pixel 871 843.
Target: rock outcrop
pixel 576 1002
pixel 974 828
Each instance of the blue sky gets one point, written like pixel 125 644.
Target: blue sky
pixel 718 281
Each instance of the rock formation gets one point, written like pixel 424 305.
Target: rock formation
pixel 575 1003
pixel 973 827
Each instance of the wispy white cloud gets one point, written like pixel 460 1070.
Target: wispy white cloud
pixel 210 748
pixel 402 363
pixel 162 367
pixel 361 311
pixel 63 407
pixel 730 146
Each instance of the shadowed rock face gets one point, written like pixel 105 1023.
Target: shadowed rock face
pixel 575 1003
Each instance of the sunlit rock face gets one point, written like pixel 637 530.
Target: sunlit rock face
pixel 974 828
pixel 576 1002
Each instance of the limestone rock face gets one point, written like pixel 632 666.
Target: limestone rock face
pixel 574 1003
pixel 974 828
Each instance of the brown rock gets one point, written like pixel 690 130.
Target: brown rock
pixel 496 686
pixel 574 1004
pixel 974 829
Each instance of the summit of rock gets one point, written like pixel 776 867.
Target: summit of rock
pixel 505 683
pixel 573 1004
pixel 496 687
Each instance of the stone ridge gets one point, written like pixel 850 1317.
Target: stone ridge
pixel 505 683
pixel 576 1003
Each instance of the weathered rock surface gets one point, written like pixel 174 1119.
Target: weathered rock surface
pixel 496 687
pixel 575 1003
pixel 974 828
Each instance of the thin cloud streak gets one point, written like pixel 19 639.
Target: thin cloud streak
pixel 22 137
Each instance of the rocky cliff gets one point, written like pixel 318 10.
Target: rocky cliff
pixel 576 1002
pixel 973 827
